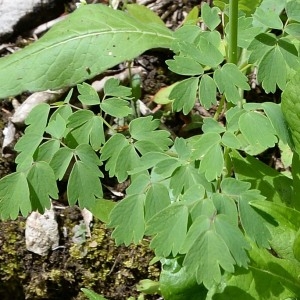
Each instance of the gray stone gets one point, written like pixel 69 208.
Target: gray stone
pixel 19 16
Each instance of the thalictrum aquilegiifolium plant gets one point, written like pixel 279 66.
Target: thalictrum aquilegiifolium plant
pixel 223 224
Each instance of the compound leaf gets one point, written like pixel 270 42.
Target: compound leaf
pixel 144 130
pixel 28 143
pixel 293 10
pixel 233 238
pixel 157 198
pixel 184 66
pixel 61 57
pixel 169 229
pixel 258 131
pixel 83 185
pixel 116 107
pixel 87 94
pixel 57 127
pixel 268 18
pixel 291 109
pixel 42 186
pixel 113 88
pixel 272 63
pixel 61 161
pixel 273 185
pixel 207 256
pixel 127 160
pixel 184 94
pixel 228 79
pixel 86 128
pixel 251 221
pixel 14 196
pixel 111 151
pixel 127 217
pixel 207 91
pixel 210 16
pixel 46 151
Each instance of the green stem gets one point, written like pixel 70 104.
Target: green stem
pixel 220 108
pixel 233 29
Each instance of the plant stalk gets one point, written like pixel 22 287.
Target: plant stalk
pixel 233 29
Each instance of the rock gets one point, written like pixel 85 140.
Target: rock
pixel 41 232
pixel 19 16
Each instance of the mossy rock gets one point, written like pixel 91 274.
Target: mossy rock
pixel 96 264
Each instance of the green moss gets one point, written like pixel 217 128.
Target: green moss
pixel 96 264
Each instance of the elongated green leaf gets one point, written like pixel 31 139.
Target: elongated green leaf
pixel 283 271
pixel 290 109
pixel 69 52
pixel 275 115
pixel 296 180
pixel 127 218
pixel 92 295
pixel 259 283
pixel 252 222
pixel 143 14
pixel 207 91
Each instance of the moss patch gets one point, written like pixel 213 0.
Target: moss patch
pixel 96 264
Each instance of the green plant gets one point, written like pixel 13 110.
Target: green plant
pixel 224 224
